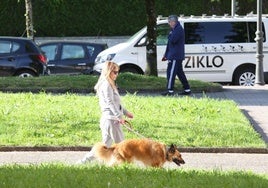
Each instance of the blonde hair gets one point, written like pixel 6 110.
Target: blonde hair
pixel 106 75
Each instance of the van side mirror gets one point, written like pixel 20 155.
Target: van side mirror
pixel 142 42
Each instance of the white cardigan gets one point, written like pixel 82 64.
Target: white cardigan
pixel 110 102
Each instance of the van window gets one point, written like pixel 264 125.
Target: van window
pixel 162 34
pixel 220 32
pixel 161 38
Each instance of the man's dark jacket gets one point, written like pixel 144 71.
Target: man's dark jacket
pixel 175 45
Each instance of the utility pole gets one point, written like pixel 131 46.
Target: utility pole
pixel 233 8
pixel 259 41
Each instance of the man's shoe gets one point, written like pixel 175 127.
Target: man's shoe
pixel 185 93
pixel 168 93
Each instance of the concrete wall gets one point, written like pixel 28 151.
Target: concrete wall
pixel 111 41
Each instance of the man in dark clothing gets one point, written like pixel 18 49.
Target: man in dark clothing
pixel 175 55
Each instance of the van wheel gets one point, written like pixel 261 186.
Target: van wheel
pixel 130 69
pixel 25 73
pixel 245 77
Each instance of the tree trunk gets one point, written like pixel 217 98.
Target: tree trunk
pixel 29 19
pixel 151 53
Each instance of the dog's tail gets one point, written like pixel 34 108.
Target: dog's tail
pixel 102 152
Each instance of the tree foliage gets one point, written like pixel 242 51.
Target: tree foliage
pixel 102 17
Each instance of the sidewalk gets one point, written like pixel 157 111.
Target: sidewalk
pixel 253 101
pixel 257 163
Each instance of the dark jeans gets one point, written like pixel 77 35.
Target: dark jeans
pixel 175 68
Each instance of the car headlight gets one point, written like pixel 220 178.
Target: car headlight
pixel 110 57
pixel 103 59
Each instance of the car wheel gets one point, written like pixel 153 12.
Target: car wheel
pixel 245 77
pixel 25 73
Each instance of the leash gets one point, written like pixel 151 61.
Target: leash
pixel 129 128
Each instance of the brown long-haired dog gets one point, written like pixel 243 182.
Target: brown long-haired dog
pixel 145 151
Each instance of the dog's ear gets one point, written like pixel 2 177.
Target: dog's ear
pixel 172 148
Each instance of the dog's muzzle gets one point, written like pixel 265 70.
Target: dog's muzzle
pixel 178 161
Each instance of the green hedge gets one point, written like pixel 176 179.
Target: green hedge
pixel 101 17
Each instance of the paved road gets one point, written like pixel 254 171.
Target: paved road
pixel 253 101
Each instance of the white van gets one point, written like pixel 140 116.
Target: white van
pixel 218 49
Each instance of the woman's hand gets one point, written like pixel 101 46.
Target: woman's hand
pixel 122 121
pixel 129 115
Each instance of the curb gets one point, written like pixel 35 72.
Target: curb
pixel 87 91
pixel 84 148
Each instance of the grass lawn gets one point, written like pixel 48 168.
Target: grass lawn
pixel 73 120
pixel 57 175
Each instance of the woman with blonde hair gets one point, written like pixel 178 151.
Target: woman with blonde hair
pixel 111 108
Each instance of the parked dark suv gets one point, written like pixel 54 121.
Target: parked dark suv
pixel 71 57
pixel 21 57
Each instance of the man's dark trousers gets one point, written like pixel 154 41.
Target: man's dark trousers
pixel 175 68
